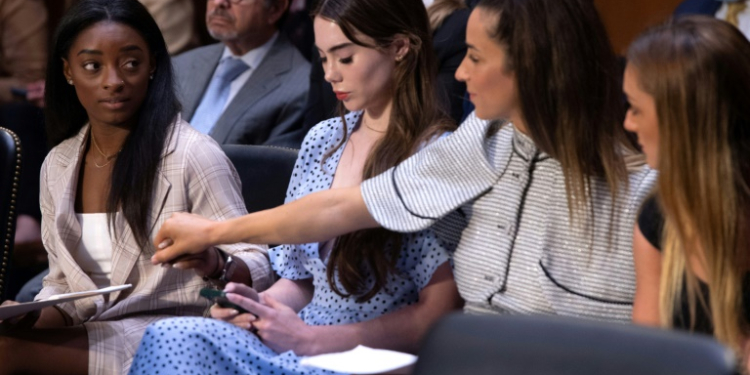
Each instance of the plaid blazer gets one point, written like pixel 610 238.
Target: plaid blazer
pixel 194 176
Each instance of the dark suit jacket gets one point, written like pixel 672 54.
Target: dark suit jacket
pixel 266 110
pixel 707 7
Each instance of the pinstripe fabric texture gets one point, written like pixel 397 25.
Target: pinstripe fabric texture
pixel 502 203
pixel 195 176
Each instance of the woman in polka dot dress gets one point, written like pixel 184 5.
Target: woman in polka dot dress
pixel 335 295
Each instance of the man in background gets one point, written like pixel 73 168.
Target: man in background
pixel 251 87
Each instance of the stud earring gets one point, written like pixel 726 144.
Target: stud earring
pixel 70 82
pixel 151 76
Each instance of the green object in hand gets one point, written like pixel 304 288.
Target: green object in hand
pixel 219 297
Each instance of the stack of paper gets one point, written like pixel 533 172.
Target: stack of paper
pixel 361 360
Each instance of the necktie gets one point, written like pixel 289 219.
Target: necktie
pixel 212 105
pixel 733 10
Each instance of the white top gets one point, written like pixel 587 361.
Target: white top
pixel 94 252
pixel 252 58
pixel 743 18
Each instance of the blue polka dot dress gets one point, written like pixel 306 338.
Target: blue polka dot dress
pixel 208 346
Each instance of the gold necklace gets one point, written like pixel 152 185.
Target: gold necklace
pixel 368 127
pixel 106 157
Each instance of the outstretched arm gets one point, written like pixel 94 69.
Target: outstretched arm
pixel 402 330
pixel 279 326
pixel 454 167
pixel 316 217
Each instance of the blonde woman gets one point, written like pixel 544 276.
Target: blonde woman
pixel 688 84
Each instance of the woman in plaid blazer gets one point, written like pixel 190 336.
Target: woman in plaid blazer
pixel 122 157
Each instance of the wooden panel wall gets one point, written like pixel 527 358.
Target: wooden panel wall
pixel 625 19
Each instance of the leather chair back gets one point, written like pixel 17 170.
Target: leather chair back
pixel 10 175
pixel 544 345
pixel 265 173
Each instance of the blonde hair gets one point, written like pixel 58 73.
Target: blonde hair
pixel 698 71
pixel 441 9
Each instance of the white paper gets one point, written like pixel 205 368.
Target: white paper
pixel 361 360
pixel 22 308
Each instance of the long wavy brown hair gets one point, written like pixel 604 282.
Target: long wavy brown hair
pixel 415 118
pixel 698 71
pixel 569 89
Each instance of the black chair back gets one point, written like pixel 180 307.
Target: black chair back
pixel 265 173
pixel 10 175
pixel 543 345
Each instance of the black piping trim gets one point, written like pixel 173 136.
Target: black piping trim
pixel 563 287
pixel 398 194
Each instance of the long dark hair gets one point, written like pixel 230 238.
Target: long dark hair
pixel 134 172
pixel 415 117
pixel 569 88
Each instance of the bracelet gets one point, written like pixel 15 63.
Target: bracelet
pixel 219 269
pixel 228 270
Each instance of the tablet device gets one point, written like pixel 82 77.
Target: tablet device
pixel 23 308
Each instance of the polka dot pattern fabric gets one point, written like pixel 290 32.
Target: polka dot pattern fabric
pixel 421 252
pixel 207 346
pixel 203 346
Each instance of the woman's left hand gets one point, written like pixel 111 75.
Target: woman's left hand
pixel 181 235
pixel 280 328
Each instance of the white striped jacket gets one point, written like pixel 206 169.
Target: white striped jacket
pixel 503 204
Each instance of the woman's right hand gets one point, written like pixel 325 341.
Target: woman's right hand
pixel 182 234
pixel 230 315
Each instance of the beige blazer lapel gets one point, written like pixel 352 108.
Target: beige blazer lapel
pixel 68 228
pixel 125 253
pixel 65 185
pixel 163 186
